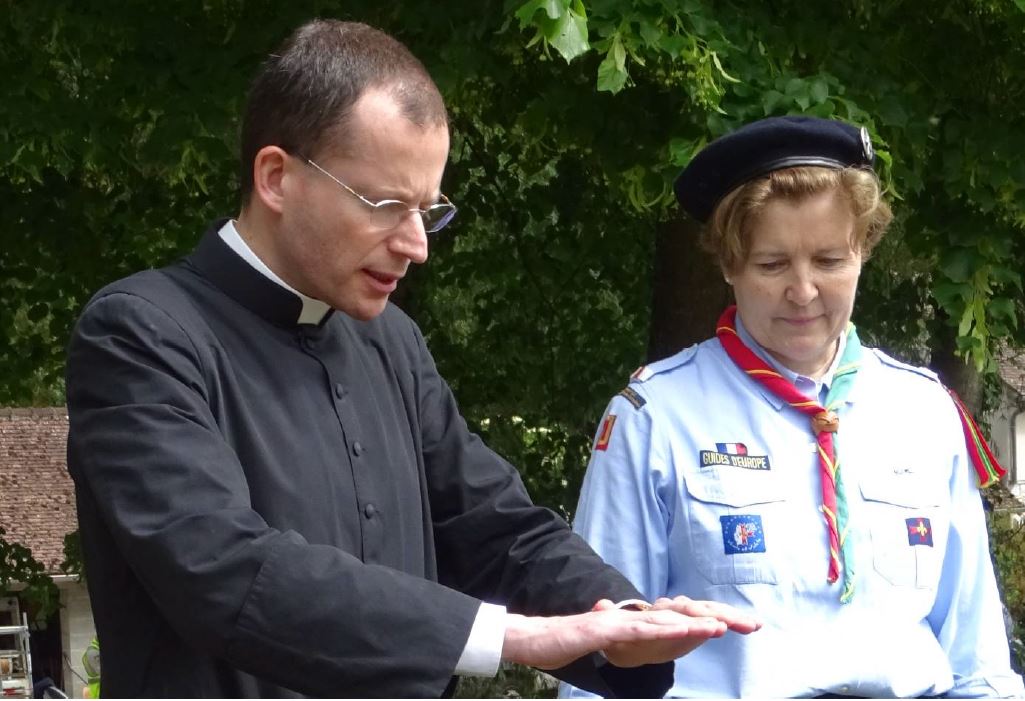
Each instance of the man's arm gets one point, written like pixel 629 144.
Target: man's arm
pixel 498 546
pixel 171 493
pixel 172 507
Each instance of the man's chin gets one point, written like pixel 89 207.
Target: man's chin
pixel 365 311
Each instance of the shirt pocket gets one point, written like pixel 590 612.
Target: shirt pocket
pixel 721 500
pixel 891 500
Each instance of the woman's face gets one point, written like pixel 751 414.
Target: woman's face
pixel 795 291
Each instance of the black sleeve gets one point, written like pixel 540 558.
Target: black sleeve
pixel 496 545
pixel 175 501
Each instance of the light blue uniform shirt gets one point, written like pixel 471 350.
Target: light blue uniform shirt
pixel 705 484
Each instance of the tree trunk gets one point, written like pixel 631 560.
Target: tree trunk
pixel 688 291
pixel 954 372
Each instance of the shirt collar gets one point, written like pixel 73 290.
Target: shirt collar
pixel 811 388
pixel 313 311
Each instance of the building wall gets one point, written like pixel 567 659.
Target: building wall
pixel 77 630
pixel 1018 487
pixel 1007 433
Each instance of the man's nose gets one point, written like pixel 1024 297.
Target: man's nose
pixel 410 238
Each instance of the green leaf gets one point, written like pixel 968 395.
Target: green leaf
pixel 612 73
pixel 960 265
pixel 722 71
pixel 1006 276
pixel 952 295
pixel 1004 308
pixel 891 112
pixel 965 325
pixel 553 9
pixel 770 101
pixel 571 35
pixel 820 90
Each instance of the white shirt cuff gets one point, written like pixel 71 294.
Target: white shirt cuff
pixel 483 651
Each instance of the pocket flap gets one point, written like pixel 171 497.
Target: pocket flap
pixel 909 489
pixel 734 486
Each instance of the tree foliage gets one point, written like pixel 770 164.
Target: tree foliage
pixel 948 123
pixel 21 573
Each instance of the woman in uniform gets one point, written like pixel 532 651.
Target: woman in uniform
pixel 784 468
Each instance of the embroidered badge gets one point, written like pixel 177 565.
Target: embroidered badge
pixel 734 455
pixel 742 533
pixel 606 433
pixel 919 531
pixel 631 396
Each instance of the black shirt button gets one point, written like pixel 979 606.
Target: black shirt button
pixel 339 390
pixel 369 510
pixel 357 449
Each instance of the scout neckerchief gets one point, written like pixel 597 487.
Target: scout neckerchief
pixel 986 466
pixel 824 423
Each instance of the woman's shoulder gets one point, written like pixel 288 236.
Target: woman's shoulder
pixel 905 377
pixel 690 359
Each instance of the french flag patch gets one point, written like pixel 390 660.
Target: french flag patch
pixel 731 448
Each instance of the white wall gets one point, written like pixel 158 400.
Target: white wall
pixel 1007 439
pixel 1018 487
pixel 77 630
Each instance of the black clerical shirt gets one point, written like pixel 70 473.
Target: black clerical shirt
pixel 275 509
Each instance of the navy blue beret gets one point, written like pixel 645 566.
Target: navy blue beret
pixel 761 147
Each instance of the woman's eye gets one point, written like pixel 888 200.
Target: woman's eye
pixel 830 262
pixel 771 265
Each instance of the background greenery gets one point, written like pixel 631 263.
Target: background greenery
pixel 118 127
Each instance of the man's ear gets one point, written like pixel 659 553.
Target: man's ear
pixel 269 169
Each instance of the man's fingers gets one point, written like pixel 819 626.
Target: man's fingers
pixel 661 625
pixel 735 619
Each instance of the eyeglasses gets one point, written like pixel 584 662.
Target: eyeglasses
pixel 388 214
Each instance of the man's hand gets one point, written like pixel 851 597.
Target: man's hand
pixel 629 638
pixel 632 654
pixel 735 620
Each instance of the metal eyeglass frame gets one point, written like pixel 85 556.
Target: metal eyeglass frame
pixel 380 208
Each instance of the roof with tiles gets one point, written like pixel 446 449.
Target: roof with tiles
pixel 1011 365
pixel 37 498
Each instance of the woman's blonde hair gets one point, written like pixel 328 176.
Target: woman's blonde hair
pixel 728 232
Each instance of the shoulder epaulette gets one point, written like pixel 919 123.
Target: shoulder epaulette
pixel 894 363
pixel 646 372
pixel 633 396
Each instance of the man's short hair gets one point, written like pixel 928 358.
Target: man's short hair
pixel 303 93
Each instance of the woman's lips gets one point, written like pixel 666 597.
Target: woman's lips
pixel 801 321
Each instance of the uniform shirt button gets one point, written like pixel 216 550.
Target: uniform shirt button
pixel 369 510
pixel 357 449
pixel 339 390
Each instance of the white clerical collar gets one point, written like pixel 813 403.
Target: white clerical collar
pixel 313 310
